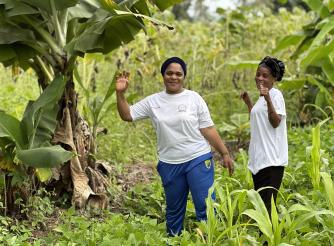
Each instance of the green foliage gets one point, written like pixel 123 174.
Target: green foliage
pixel 303 216
pixel 38 209
pixel 315 165
pixel 329 188
pixel 28 140
pixel 55 32
pixel 314 52
pixel 237 129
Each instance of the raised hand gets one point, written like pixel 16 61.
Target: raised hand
pixel 122 81
pixel 264 91
pixel 245 97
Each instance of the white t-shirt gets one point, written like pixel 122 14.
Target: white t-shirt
pixel 177 119
pixel 268 145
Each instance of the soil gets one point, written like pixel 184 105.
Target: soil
pixel 134 174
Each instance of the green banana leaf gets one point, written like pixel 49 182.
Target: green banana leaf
pixel 39 119
pixel 289 40
pixel 44 157
pixel 10 128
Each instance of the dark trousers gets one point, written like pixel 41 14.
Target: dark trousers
pixel 269 176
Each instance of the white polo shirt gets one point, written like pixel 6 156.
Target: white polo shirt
pixel 177 119
pixel 268 145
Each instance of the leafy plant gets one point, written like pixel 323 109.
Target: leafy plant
pixel 96 107
pixel 315 165
pixel 49 36
pixel 237 129
pixel 27 142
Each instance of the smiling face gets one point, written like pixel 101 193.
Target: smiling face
pixel 173 78
pixel 264 76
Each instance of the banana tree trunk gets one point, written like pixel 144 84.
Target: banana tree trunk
pixel 86 178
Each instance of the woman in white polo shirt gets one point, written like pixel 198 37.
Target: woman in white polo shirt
pixel 184 131
pixel 268 149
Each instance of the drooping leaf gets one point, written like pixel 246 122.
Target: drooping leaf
pixel 40 111
pixel 10 128
pixel 19 8
pixel 46 126
pixel 45 157
pixel 141 7
pixel 328 69
pixel 10 34
pixel 318 84
pixel 329 26
pixel 302 47
pixel 289 40
pixel 292 84
pixel 314 56
pixel 318 7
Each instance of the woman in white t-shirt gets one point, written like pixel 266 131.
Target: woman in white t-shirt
pixel 185 131
pixel 268 149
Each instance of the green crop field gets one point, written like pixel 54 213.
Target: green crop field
pixel 38 200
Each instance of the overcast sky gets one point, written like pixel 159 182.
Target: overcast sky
pixel 213 4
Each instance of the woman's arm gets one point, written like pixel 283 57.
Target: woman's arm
pixel 211 134
pixel 123 107
pixel 274 118
pixel 244 95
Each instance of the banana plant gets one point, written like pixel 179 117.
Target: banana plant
pixel 26 143
pixel 48 37
pixel 28 140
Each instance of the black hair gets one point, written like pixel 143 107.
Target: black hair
pixel 277 67
pixel 173 60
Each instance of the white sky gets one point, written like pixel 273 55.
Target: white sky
pixel 213 4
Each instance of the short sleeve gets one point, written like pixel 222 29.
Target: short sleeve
pixel 204 117
pixel 279 104
pixel 140 110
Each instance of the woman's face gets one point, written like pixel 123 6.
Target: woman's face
pixel 173 78
pixel 263 76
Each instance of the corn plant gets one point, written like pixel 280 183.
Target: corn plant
pixel 315 165
pixel 96 107
pixel 223 220
pixel 246 174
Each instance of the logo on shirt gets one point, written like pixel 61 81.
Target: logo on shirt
pixel 182 108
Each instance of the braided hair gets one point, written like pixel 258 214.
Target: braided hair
pixel 275 66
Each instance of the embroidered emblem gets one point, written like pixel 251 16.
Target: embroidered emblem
pixel 182 108
pixel 207 163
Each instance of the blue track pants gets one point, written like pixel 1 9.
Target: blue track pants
pixel 197 176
